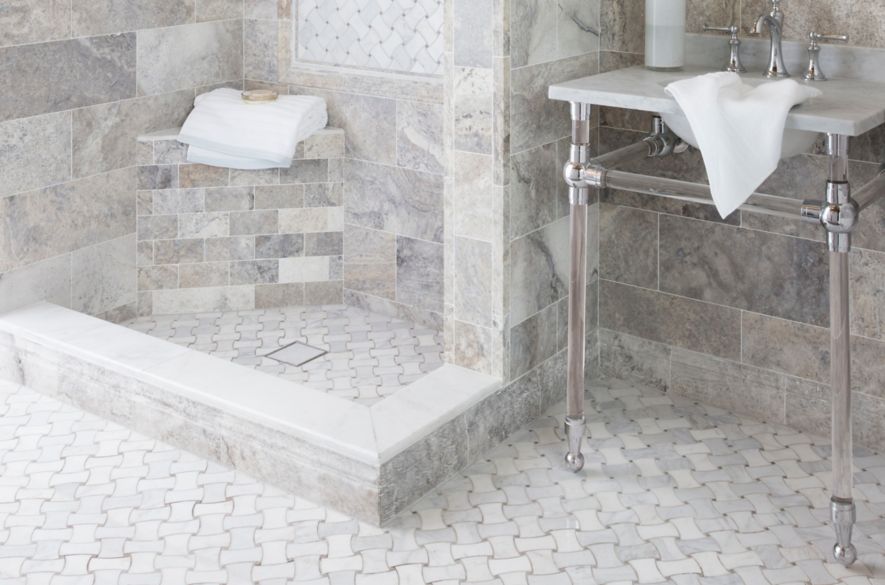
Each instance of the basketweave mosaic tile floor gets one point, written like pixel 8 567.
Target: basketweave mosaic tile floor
pixel 671 494
pixel 369 356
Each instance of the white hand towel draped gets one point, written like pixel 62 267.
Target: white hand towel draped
pixel 739 129
pixel 223 130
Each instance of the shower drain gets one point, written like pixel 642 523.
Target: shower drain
pixel 297 354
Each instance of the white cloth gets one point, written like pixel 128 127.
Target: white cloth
pixel 224 130
pixel 739 129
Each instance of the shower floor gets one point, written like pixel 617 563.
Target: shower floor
pixel 368 355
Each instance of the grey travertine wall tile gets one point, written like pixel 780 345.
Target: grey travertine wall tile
pixel 540 270
pixel 473 281
pixel 157 177
pixel 203 225
pixel 157 227
pixel 198 175
pixel 668 319
pixel 323 293
pixel 198 300
pixel 255 272
pixel 370 261
pixel 473 98
pixel 260 50
pixel 868 293
pixel 623 25
pixel 533 32
pixel 254 222
pixel 533 341
pixel 279 246
pixel 34 152
pixel 324 244
pixel 728 385
pixel 279 295
pixel 103 276
pixel 307 171
pixel 279 196
pixel 158 277
pixel 419 274
pixel 34 21
pixel 50 77
pixel 627 357
pixel 48 279
pixel 419 129
pixel 473 42
pixel 628 245
pixel 185 56
pixel 96 17
pixel 534 181
pixel 203 274
pixel 178 251
pixel 104 135
pixel 219 9
pixel 572 39
pixel 229 199
pixel 62 218
pixel 236 248
pixel 765 273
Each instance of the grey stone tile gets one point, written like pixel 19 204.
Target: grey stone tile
pixel 533 31
pixel 279 295
pixel 419 273
pixel 203 225
pixel 324 244
pixel 109 16
pixel 34 21
pixel 261 50
pixel 474 205
pixel 867 294
pixel 255 272
pixel 229 199
pixel 473 33
pixel 761 272
pixel 279 246
pixel 572 39
pixel 204 274
pixel 814 15
pixel 48 279
pixel 539 269
pixel 628 246
pixel 370 262
pixel 280 196
pixel 157 227
pixel 35 152
pixel 306 171
pixel 186 56
pixel 62 218
pixel 254 222
pixel 535 119
pixel 157 277
pixel 473 102
pixel 236 248
pixel 265 9
pixel 203 300
pixel 473 281
pixel 247 178
pixel 318 293
pixel 533 189
pixel 60 75
pixel 197 175
pixel 175 201
pixel 323 195
pixel 103 276
pixel 419 129
pixel 678 321
pixel 158 177
pixel 473 347
pixel 623 25
pixel 393 199
pixel 533 341
pixel 728 385
pixel 178 251
pixel 219 9
pixel 866 22
pixel 634 359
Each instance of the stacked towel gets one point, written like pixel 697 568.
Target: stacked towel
pixel 739 129
pixel 225 131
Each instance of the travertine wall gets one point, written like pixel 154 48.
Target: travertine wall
pixel 734 312
pixel 81 80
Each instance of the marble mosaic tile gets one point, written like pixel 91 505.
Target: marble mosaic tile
pixel 56 76
pixel 186 56
pixel 35 152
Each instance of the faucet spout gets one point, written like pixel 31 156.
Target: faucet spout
pixel 777 69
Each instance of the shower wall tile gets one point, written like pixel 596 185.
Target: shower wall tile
pixel 628 245
pixel 112 16
pixel 419 274
pixel 370 261
pixel 48 279
pixel 56 76
pixel 473 281
pixel 533 341
pixel 664 318
pixel 534 183
pixel 867 270
pixel 35 152
pixel 623 25
pixel 473 100
pixel 62 218
pixel 540 270
pixel 218 10
pixel 108 267
pixel 473 24
pixel 182 57
pixel 635 359
pixel 419 129
pixel 260 47
pixel 544 30
pixel 747 269
pixel 34 21
pixel 104 135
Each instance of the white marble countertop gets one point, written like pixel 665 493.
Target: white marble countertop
pixel 847 106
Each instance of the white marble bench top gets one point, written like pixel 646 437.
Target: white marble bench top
pixel 847 106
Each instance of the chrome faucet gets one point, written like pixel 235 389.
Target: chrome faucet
pixel 774 21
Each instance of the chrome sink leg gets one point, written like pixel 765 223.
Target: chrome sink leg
pixel 579 198
pixel 839 208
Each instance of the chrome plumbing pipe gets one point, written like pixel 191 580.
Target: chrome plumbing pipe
pixel 839 203
pixel 579 199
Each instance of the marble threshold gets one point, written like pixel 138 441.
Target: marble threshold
pixel 336 451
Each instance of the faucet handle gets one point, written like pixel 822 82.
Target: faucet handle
pixel 813 72
pixel 734 59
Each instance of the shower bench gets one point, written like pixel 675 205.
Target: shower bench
pixel 848 108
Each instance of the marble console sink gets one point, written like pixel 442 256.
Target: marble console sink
pixel 849 107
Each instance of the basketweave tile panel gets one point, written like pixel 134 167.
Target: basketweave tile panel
pixel 683 495
pixel 403 36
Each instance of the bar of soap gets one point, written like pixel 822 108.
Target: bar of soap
pixel 260 95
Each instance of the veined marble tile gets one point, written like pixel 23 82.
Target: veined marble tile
pixel 34 21
pixel 533 341
pixel 533 31
pixel 419 273
pixel 539 269
pixel 473 101
pixel 571 38
pixel 35 152
pixel 103 276
pixel 60 75
pixel 533 189
pixel 628 240
pixel 473 281
pixel 419 144
pixel 190 55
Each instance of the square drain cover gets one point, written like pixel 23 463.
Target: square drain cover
pixel 297 354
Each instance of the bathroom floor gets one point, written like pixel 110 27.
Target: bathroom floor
pixel 368 355
pixel 670 494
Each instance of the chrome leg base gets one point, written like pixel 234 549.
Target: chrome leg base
pixel 844 515
pixel 574 433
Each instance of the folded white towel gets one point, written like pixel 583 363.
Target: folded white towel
pixel 739 129
pixel 224 130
